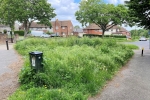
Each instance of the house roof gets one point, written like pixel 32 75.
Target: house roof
pixel 61 23
pixel 92 26
pixel 35 24
pixel 120 28
pixel 2 25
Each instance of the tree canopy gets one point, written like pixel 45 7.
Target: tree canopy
pixel 27 11
pixel 138 33
pixel 140 11
pixel 104 15
pixel 76 27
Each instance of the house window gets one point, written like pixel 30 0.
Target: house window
pixel 63 27
pixel 56 27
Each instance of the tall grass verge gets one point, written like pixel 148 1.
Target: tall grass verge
pixel 74 68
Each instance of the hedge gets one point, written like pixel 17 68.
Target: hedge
pixel 20 33
pixel 96 35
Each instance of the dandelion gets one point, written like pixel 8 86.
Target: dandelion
pixel 45 86
pixel 59 90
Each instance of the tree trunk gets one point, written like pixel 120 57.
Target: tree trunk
pixel 103 31
pixel 26 29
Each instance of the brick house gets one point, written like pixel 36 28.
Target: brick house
pixel 62 28
pixel 93 29
pixel 4 27
pixel 115 30
pixel 118 30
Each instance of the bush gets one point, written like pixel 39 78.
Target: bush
pixel 74 68
pixel 92 35
pixel 5 31
pixel 20 33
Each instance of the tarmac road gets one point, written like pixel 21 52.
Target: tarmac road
pixel 133 81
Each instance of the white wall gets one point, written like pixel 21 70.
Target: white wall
pixel 107 33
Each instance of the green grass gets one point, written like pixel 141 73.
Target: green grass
pixel 121 39
pixel 132 46
pixel 74 68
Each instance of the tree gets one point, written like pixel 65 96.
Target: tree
pixel 138 33
pixel 139 11
pixel 6 14
pixel 104 15
pixel 27 11
pixel 76 27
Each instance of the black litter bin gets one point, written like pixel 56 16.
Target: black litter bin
pixel 36 60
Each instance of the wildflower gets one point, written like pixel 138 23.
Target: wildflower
pixel 59 90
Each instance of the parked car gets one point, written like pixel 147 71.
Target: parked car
pixel 45 35
pixel 55 35
pixel 40 34
pixel 142 39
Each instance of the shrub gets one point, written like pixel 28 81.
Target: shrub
pixel 5 31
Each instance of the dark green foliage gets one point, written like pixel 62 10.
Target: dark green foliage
pixel 139 11
pixel 74 68
pixel 138 33
pixel 5 31
pixel 20 33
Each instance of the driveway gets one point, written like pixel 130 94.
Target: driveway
pixel 132 82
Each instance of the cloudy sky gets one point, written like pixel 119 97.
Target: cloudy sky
pixel 65 9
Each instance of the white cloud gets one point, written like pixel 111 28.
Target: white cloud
pixel 65 10
pixel 115 2
pixel 112 1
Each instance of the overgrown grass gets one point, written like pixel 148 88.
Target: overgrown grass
pixel 132 46
pixel 121 39
pixel 74 68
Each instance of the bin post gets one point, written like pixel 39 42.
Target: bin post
pixel 36 60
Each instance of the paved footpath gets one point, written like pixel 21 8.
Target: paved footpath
pixel 9 62
pixel 6 58
pixel 132 82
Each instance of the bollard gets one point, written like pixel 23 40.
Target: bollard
pixel 142 51
pixel 7 45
